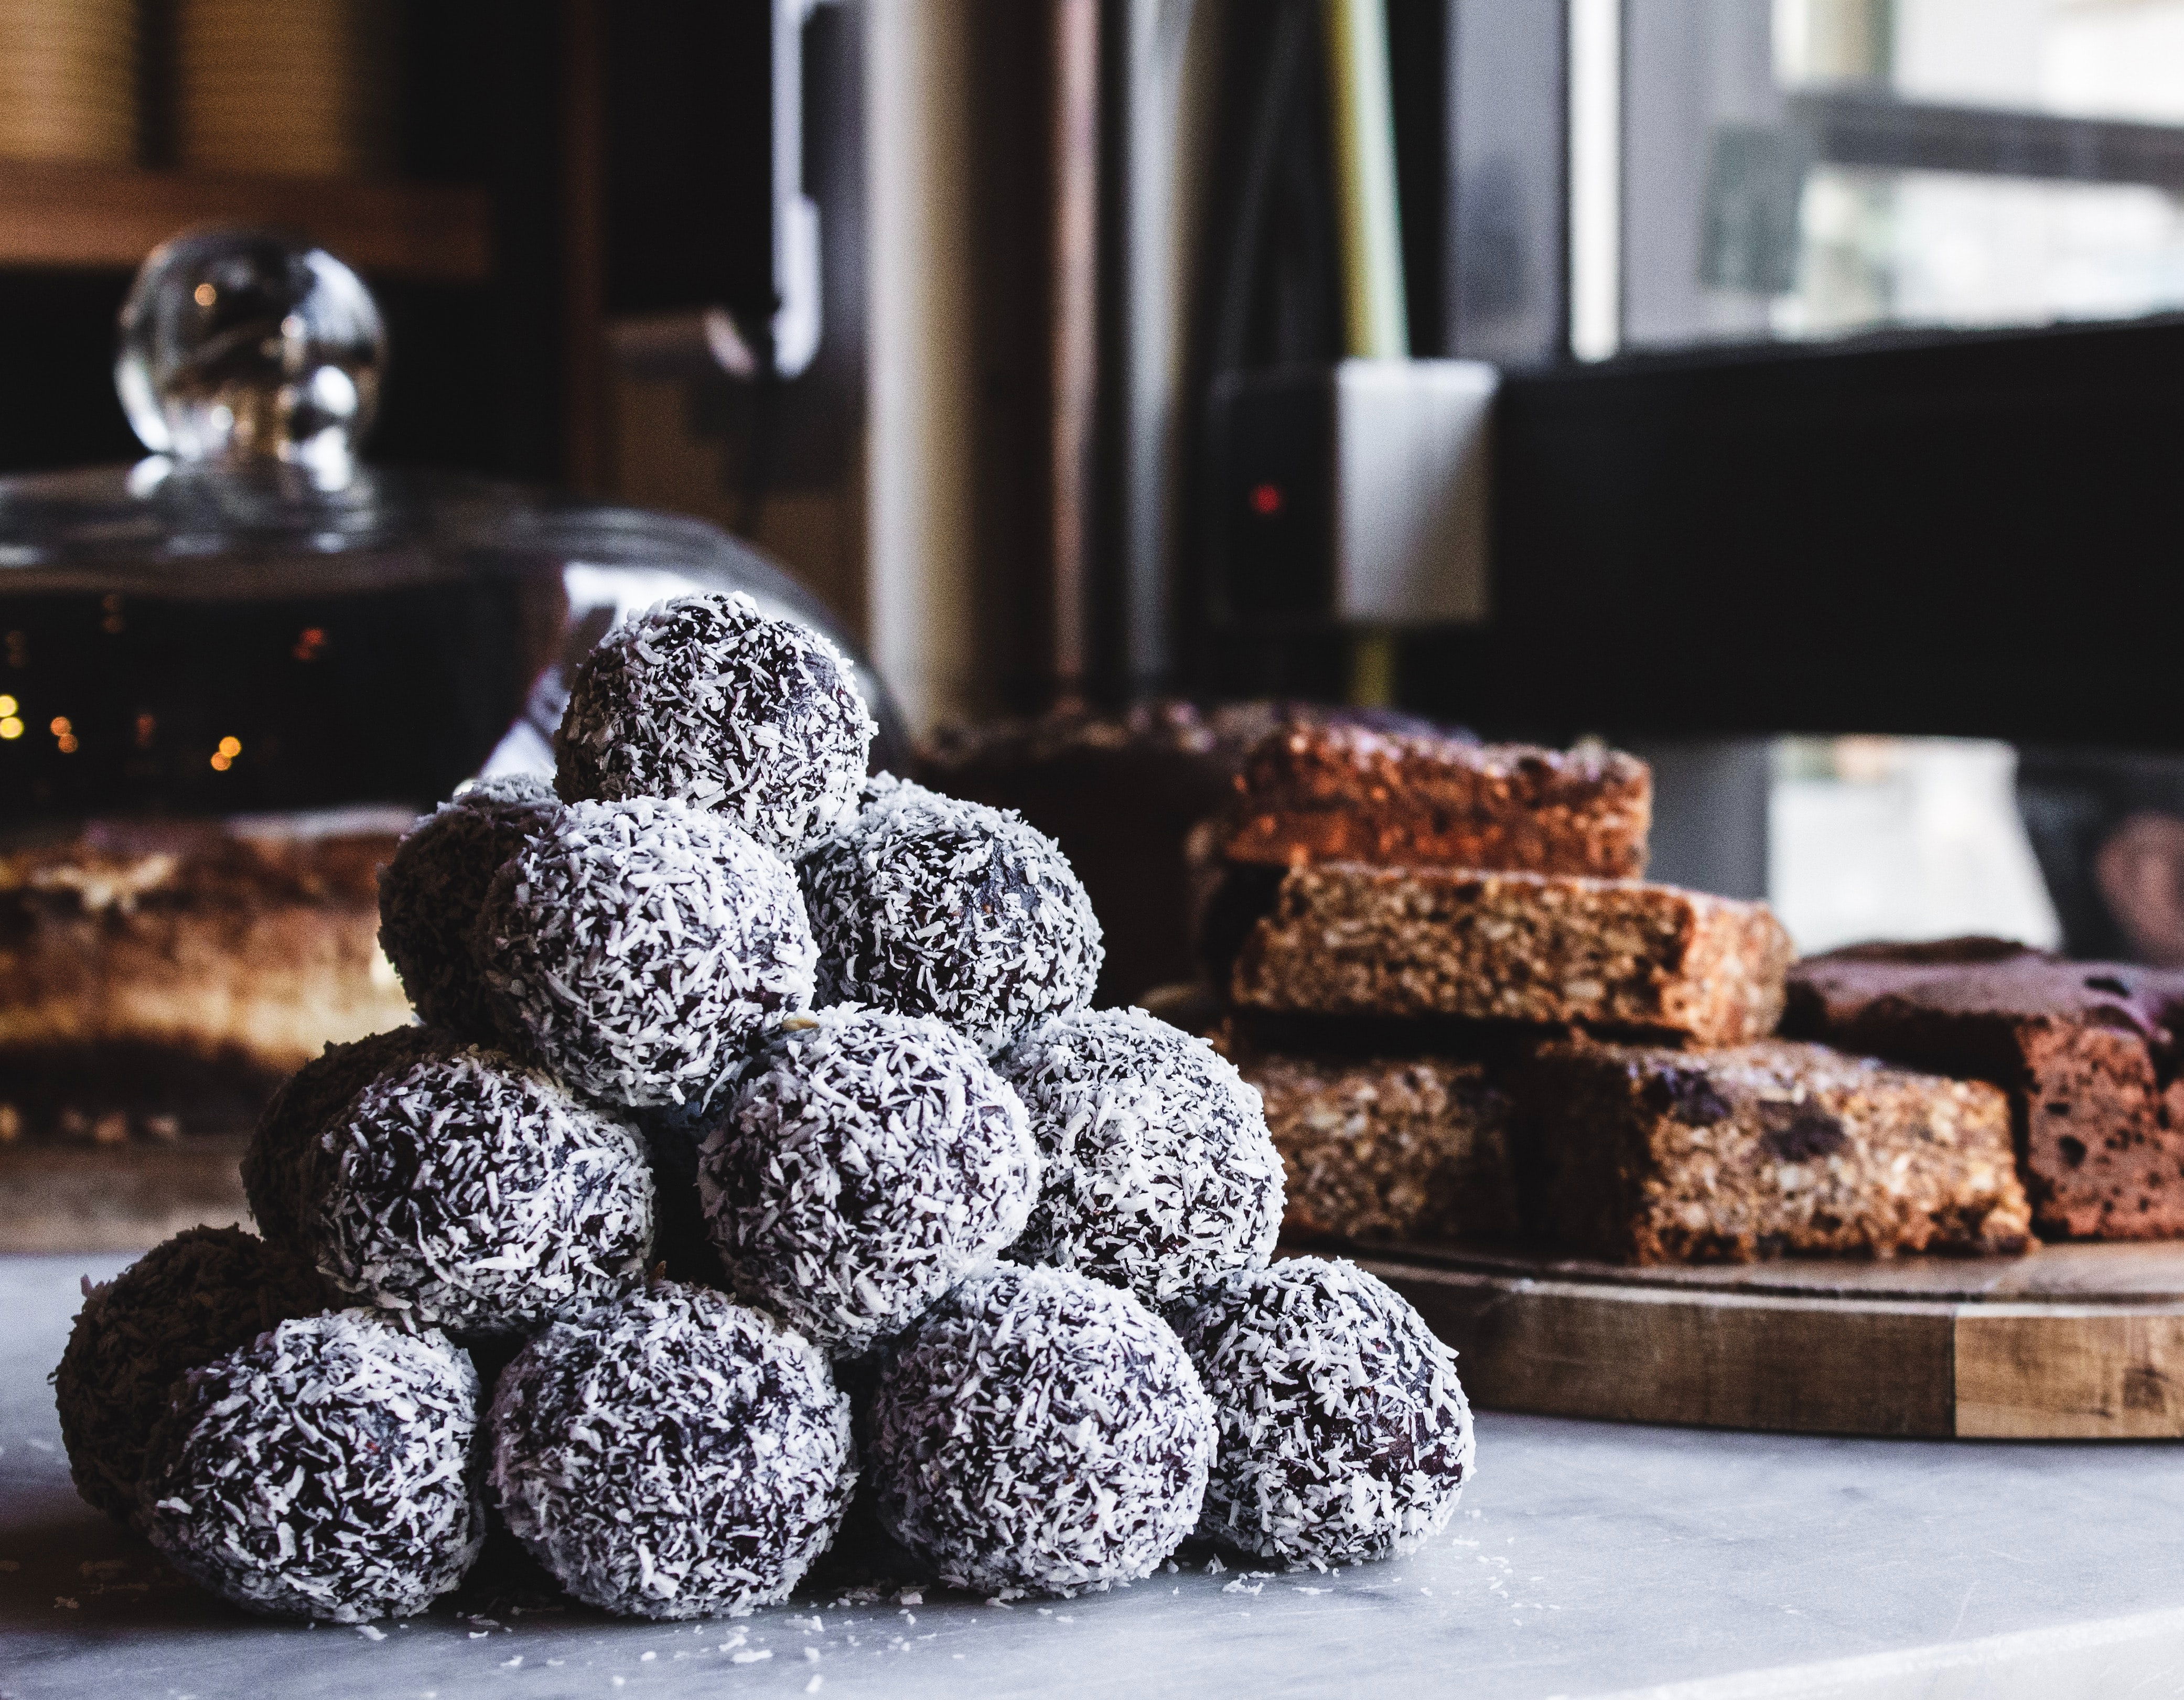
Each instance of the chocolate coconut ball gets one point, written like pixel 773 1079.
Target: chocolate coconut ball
pixel 277 1165
pixel 1160 1175
pixel 430 893
pixel 198 1296
pixel 672 1455
pixel 473 1194
pixel 323 1472
pixel 866 1162
pixel 930 906
pixel 705 699
pixel 1345 1434
pixel 640 947
pixel 1038 1430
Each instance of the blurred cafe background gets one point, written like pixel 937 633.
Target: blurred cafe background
pixel 1790 390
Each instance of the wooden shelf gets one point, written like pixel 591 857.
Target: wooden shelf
pixel 78 216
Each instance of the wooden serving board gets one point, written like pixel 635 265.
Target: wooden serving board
pixel 2071 1342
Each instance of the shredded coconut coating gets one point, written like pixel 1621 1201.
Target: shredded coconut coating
pixel 880 786
pixel 277 1165
pixel 672 1455
pixel 1160 1175
pixel 928 904
pixel 641 946
pixel 199 1296
pixel 1039 1431
pixel 866 1162
pixel 430 893
pixel 704 698
pixel 1345 1434
pixel 479 1196
pixel 323 1472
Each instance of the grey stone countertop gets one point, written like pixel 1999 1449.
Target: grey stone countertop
pixel 1588 1559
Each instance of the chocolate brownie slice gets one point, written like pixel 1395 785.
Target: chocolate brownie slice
pixel 1550 950
pixel 2085 1050
pixel 1389 1148
pixel 1335 792
pixel 1651 1156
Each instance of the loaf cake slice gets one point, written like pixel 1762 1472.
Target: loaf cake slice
pixel 1337 793
pixel 1389 1148
pixel 159 978
pixel 1550 949
pixel 2087 1051
pixel 1650 1156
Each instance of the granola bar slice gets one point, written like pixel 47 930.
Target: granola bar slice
pixel 1550 950
pixel 1650 1156
pixel 1389 1148
pixel 1343 793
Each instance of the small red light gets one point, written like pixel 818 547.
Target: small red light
pixel 1266 500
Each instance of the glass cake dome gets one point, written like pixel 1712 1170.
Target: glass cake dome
pixel 251 621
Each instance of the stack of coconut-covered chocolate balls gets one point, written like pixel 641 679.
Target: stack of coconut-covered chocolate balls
pixel 760 1137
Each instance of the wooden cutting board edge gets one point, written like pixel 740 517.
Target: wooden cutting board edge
pixel 1852 1364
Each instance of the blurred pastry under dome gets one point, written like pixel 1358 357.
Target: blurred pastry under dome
pixel 232 673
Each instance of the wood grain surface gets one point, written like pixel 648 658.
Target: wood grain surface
pixel 88 215
pixel 2073 1342
pixel 117 1198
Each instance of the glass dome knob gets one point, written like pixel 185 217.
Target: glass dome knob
pixel 242 346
